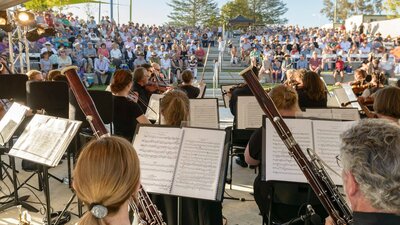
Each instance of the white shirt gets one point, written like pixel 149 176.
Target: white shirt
pixel 115 53
pixel 165 63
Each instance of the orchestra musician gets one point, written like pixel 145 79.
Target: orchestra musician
pixel 369 157
pixel 191 91
pixel 286 101
pixel 141 78
pixel 127 113
pixel 106 178
pixel 386 103
pixel 174 107
pixel 310 89
pixel 376 83
pixel 360 83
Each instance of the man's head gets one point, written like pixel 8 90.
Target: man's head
pixel 370 156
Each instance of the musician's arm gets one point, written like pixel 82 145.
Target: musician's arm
pixel 252 153
pixel 249 160
pixel 329 221
pixel 142 119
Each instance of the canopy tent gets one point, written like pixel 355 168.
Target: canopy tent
pixel 241 21
pixel 5 4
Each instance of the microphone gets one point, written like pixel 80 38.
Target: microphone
pixel 314 218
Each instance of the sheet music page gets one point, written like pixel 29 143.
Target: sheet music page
pixel 249 113
pixel 346 114
pixel 332 100
pixel 204 113
pixel 199 163
pixel 157 148
pixel 341 95
pixel 154 103
pixel 327 143
pixel 318 113
pixel 226 89
pixel 279 164
pixel 45 139
pixel 351 96
pixel 10 122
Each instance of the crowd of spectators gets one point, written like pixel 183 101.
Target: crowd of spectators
pixel 278 48
pixel 103 46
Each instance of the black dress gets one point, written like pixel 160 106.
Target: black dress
pixel 192 92
pixel 306 102
pixel 240 91
pixel 144 96
pixel 125 114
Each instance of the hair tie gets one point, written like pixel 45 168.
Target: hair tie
pixel 97 210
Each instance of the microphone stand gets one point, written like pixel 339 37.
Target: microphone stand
pixel 310 213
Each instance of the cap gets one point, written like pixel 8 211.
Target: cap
pixel 48 43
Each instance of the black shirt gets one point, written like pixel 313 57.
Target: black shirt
pixel 306 102
pixel 240 91
pixel 125 114
pixel 192 92
pixel 364 218
pixel 144 96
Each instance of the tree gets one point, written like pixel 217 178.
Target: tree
pixel 347 8
pixel 192 12
pixel 393 6
pixel 262 11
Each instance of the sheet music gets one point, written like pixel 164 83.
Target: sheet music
pixel 204 113
pixel 279 164
pixel 45 139
pixel 351 96
pixel 199 163
pixel 327 143
pixel 346 114
pixel 10 122
pixel 225 89
pixel 249 113
pixel 318 113
pixel 154 103
pixel 341 95
pixel 332 100
pixel 158 149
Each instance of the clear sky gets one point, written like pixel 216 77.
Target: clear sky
pixel 301 12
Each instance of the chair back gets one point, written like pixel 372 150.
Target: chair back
pixel 52 96
pixel 13 86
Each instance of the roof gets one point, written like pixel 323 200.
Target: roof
pixel 5 4
pixel 240 19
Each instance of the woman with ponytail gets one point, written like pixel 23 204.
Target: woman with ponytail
pixel 174 108
pixel 106 178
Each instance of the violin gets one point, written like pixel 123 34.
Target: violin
pixel 364 104
pixel 157 84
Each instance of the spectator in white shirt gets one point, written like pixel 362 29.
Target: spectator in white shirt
pixel 165 64
pixel 101 68
pixel 364 49
pixel 116 55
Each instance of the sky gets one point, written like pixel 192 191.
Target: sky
pixel 300 12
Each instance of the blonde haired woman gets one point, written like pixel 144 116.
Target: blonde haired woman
pixel 174 107
pixel 106 177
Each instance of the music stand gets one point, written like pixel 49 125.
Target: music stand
pixel 12 86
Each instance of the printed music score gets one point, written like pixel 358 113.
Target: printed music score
pixel 249 113
pixel 182 161
pixel 320 135
pixel 204 113
pixel 45 139
pixel 10 122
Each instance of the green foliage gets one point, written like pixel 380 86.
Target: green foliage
pixel 347 8
pixel 42 5
pixel 193 12
pixel 393 6
pixel 262 11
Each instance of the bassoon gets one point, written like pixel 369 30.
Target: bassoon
pixel 148 209
pixel 313 170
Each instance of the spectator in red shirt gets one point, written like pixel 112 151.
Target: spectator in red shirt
pixel 339 69
pixel 200 53
pixel 315 63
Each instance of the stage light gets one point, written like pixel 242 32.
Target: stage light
pixel 24 18
pixel 4 22
pixel 39 32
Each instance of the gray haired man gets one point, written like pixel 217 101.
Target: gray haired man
pixel 370 157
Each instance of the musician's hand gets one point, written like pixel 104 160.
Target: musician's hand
pixel 361 99
pixel 135 96
pixel 329 221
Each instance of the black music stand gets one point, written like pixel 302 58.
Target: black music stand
pixel 12 86
pixel 52 96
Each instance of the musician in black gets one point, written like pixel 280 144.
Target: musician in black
pixel 141 78
pixel 239 90
pixel 127 113
pixel 187 87
pixel 286 101
pixel 370 156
